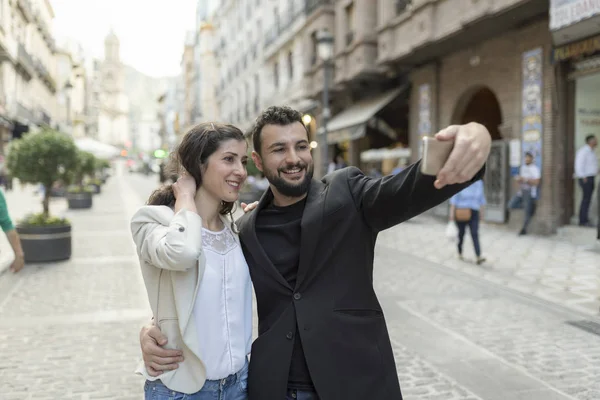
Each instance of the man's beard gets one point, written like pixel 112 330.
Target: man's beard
pixel 289 189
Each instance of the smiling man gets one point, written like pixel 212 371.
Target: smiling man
pixel 310 246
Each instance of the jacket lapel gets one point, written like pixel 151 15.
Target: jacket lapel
pixel 310 228
pixel 248 235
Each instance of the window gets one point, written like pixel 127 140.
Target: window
pixel 276 74
pixel 402 5
pixel 313 40
pixel 349 12
pixel 291 65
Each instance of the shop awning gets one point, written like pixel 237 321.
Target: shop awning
pixel 350 124
pixel 383 154
pixel 99 149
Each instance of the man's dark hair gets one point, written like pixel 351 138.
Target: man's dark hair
pixel 530 154
pixel 274 115
pixel 588 138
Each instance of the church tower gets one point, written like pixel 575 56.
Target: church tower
pixel 113 123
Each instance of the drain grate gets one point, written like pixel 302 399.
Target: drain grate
pixel 588 326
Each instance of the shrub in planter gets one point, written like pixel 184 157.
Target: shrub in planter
pixel 80 196
pixel 103 169
pixel 44 158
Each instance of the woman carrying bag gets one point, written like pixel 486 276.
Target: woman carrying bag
pixel 466 209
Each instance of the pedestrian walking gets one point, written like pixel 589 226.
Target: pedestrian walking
pixel 194 270
pixel 466 210
pixel 526 196
pixel 586 169
pixel 310 246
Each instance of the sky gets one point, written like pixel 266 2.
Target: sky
pixel 151 32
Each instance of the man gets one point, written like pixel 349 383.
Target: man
pixel 310 245
pixel 528 181
pixel 586 169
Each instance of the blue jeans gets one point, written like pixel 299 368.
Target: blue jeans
pixel 293 394
pixel 526 202
pixel 234 387
pixel 473 224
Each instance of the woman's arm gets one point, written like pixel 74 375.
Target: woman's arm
pixel 15 243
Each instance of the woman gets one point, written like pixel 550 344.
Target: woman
pixel 466 208
pixel 195 273
pixel 11 234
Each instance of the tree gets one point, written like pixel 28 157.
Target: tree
pixel 46 157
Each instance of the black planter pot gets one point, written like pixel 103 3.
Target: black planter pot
pixel 79 200
pixel 45 243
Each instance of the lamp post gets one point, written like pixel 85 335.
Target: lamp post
pixel 325 52
pixel 68 88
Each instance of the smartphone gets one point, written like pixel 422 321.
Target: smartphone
pixel 435 155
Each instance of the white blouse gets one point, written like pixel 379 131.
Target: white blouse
pixel 223 308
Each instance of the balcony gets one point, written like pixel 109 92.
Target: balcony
pixel 283 25
pixel 25 61
pixel 433 29
pixel 44 75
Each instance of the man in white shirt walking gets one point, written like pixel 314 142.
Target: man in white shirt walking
pixel 586 169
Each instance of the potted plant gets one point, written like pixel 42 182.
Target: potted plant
pixel 80 195
pixel 100 175
pixel 103 169
pixel 43 158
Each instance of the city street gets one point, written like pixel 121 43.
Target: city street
pixel 69 330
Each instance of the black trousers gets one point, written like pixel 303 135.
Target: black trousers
pixel 587 188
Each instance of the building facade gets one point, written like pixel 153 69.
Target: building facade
pixel 575 29
pixel 403 69
pixel 27 67
pixel 188 72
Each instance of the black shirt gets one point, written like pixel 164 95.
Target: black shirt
pixel 278 232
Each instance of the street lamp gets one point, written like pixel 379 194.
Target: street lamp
pixel 325 53
pixel 67 90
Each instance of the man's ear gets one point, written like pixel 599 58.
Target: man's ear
pixel 257 160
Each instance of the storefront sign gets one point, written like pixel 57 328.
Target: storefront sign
pixel 424 114
pixel 532 105
pixel 567 12
pixel 576 50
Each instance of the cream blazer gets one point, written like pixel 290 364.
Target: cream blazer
pixel 169 246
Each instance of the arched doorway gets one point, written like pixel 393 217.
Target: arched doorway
pixel 480 104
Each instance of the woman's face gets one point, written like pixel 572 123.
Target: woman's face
pixel 225 171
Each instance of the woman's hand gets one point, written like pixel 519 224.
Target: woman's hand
pixel 185 186
pixel 249 207
pixel 184 191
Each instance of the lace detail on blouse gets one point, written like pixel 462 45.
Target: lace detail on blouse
pixel 220 242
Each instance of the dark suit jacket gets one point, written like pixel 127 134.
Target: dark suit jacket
pixel 339 318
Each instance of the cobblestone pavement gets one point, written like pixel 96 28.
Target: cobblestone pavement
pixel 69 330
pixel 563 268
